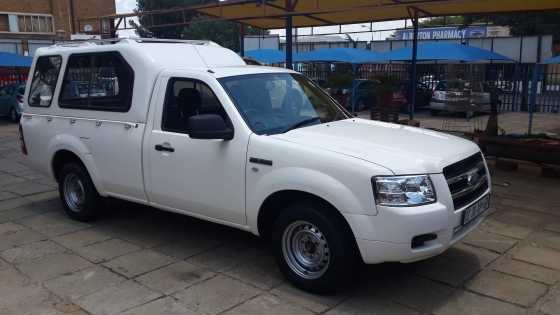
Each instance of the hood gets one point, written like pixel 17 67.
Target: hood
pixel 402 149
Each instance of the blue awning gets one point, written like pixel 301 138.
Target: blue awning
pixel 347 55
pixel 444 51
pixel 267 56
pixel 552 61
pixel 14 60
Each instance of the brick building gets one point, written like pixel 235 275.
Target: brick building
pixel 26 25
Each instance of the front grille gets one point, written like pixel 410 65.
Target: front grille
pixel 467 180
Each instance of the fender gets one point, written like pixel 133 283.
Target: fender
pixel 305 180
pixel 80 149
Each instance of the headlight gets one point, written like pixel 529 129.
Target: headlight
pixel 402 191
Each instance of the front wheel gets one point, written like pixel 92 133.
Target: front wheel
pixel 78 194
pixel 313 249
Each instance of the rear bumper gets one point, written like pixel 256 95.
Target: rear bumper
pixel 387 236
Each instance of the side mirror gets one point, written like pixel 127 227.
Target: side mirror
pixel 209 126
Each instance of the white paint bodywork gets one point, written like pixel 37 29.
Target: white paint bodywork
pixel 212 179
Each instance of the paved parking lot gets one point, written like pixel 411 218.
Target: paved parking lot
pixel 137 260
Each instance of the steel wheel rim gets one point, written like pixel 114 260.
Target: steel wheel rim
pixel 306 250
pixel 74 192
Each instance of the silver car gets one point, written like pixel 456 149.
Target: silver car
pixel 11 101
pixel 458 96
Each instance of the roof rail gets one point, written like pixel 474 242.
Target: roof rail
pixel 109 41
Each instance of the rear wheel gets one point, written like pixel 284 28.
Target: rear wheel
pixel 313 249
pixel 77 192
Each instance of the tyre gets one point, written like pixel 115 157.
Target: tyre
pixel 78 194
pixel 14 117
pixel 314 250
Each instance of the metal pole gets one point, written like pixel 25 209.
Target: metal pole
pixel 533 101
pixel 289 42
pixel 242 40
pixel 412 92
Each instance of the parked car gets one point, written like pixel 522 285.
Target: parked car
pixel 423 94
pixel 460 96
pixel 11 101
pixel 193 130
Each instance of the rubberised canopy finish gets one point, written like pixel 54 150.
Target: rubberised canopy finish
pixel 552 61
pixel 14 60
pixel 349 55
pixel 444 51
pixel 269 14
pixel 267 56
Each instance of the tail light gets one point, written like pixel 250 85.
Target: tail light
pixel 22 141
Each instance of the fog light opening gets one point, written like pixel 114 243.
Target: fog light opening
pixel 420 240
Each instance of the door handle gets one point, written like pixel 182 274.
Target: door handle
pixel 164 147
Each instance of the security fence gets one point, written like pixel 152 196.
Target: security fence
pixel 513 81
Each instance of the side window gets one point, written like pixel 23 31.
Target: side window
pixel 44 80
pixel 99 81
pixel 186 98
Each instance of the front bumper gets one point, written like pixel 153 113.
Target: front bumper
pixel 458 108
pixel 387 236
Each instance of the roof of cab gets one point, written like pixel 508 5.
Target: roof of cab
pixel 161 53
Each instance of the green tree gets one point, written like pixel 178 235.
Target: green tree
pixel 520 24
pixel 225 33
pixel 524 23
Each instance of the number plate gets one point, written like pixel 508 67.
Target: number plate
pixel 475 210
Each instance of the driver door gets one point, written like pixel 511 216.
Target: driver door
pixel 204 178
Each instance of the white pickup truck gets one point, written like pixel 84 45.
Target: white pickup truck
pixel 188 127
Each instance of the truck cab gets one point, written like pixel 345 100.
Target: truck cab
pixel 188 127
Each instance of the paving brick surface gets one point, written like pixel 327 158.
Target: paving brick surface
pixel 507 288
pixel 467 303
pixel 117 298
pixel 528 271
pixel 215 295
pixel 106 250
pixel 539 256
pixel 136 260
pixel 140 262
pixel 84 282
pixel 175 277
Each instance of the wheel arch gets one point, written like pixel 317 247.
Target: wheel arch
pixel 63 156
pixel 273 205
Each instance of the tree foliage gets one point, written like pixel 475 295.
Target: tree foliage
pixel 520 24
pixel 524 23
pixel 225 33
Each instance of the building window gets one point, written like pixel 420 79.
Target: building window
pixel 98 81
pixel 26 23
pixel 44 80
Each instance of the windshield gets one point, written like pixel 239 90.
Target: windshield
pixel 274 103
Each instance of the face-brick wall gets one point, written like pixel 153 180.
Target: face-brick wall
pixel 62 11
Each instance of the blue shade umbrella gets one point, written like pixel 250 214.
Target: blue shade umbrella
pixel 267 56
pixel 552 61
pixel 348 55
pixel 14 60
pixel 444 51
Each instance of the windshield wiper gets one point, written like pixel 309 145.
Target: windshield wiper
pixel 301 124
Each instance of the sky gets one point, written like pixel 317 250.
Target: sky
pixel 127 6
